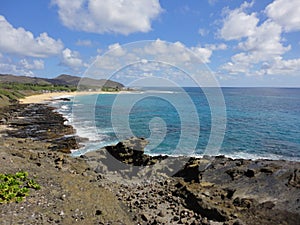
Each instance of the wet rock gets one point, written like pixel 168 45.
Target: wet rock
pixel 39 122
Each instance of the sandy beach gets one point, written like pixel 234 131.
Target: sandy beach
pixel 41 98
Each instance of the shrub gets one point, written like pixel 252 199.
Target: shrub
pixel 15 187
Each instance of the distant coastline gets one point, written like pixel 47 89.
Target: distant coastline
pixel 46 97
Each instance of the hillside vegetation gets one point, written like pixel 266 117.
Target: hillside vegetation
pixel 11 92
pixel 14 87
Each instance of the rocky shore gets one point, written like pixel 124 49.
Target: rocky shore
pixel 122 185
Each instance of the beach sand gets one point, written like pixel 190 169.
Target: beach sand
pixel 41 98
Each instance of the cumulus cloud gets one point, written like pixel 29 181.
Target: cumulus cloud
pixel 203 53
pixel 33 65
pixel 266 42
pixel 71 59
pixel 260 46
pixel 156 58
pixel 279 66
pixel 124 17
pixel 116 50
pixel 285 13
pixel 21 42
pixel 237 24
pixel 23 67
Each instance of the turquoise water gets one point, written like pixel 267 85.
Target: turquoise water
pixel 260 122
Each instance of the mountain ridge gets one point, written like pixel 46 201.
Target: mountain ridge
pixel 63 79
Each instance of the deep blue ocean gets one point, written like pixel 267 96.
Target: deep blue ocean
pixel 260 122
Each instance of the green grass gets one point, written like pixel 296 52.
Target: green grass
pixel 35 87
pixel 11 92
pixel 15 187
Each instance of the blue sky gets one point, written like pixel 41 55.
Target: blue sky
pixel 243 43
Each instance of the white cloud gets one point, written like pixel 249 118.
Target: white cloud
pixel 177 53
pixel 34 65
pixel 214 47
pixel 23 67
pixel 238 24
pixel 71 59
pixel 279 66
pixel 21 42
pixel 116 49
pixel 203 53
pixel 285 13
pixel 87 43
pixel 266 42
pixel 124 17
pixel 261 49
pixel 158 57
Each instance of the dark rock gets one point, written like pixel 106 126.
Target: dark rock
pixel 131 151
pixel 269 169
pixel 146 217
pixel 250 173
pixel 39 122
pixel 64 144
pixel 295 179
pixel 267 205
pixel 62 99
pixel 238 222
pixel 176 218
pixel 234 173
pixel 190 172
pixel 199 205
pixel 230 192
pixel 98 212
pixel 243 202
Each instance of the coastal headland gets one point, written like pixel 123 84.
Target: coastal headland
pixel 89 190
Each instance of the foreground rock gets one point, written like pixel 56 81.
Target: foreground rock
pixel 120 184
pixel 131 151
pixel 67 195
pixel 32 139
pixel 256 192
pixel 209 190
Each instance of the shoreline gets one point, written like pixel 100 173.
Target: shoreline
pixel 46 97
pixel 209 190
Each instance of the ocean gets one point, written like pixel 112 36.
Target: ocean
pixel 255 123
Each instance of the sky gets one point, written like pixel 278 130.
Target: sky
pixel 240 43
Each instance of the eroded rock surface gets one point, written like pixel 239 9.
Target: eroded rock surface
pixel 39 122
pixel 121 184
